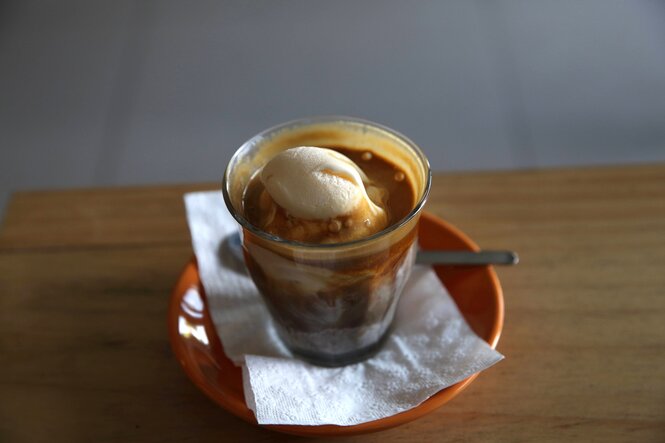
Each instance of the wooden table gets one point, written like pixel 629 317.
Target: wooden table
pixel 85 277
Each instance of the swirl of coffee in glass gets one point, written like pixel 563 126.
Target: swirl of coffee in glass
pixel 329 208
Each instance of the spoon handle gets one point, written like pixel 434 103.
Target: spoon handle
pixel 467 258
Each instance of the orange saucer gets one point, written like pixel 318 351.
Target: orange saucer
pixel 476 290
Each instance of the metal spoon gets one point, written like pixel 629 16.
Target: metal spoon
pixel 462 258
pixel 467 258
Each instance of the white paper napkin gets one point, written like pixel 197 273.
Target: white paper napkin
pixel 431 346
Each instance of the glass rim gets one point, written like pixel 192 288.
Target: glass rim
pixel 327 119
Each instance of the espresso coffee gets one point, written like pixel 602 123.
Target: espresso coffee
pixel 329 211
pixel 347 306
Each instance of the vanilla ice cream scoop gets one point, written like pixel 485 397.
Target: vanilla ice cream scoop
pixel 322 194
pixel 315 183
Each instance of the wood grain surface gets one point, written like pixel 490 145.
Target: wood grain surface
pixel 85 277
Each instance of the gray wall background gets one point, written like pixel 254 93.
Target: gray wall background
pixel 131 92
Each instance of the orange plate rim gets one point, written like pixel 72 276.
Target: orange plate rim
pixel 238 407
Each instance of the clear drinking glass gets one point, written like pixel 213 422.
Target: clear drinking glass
pixel 333 304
